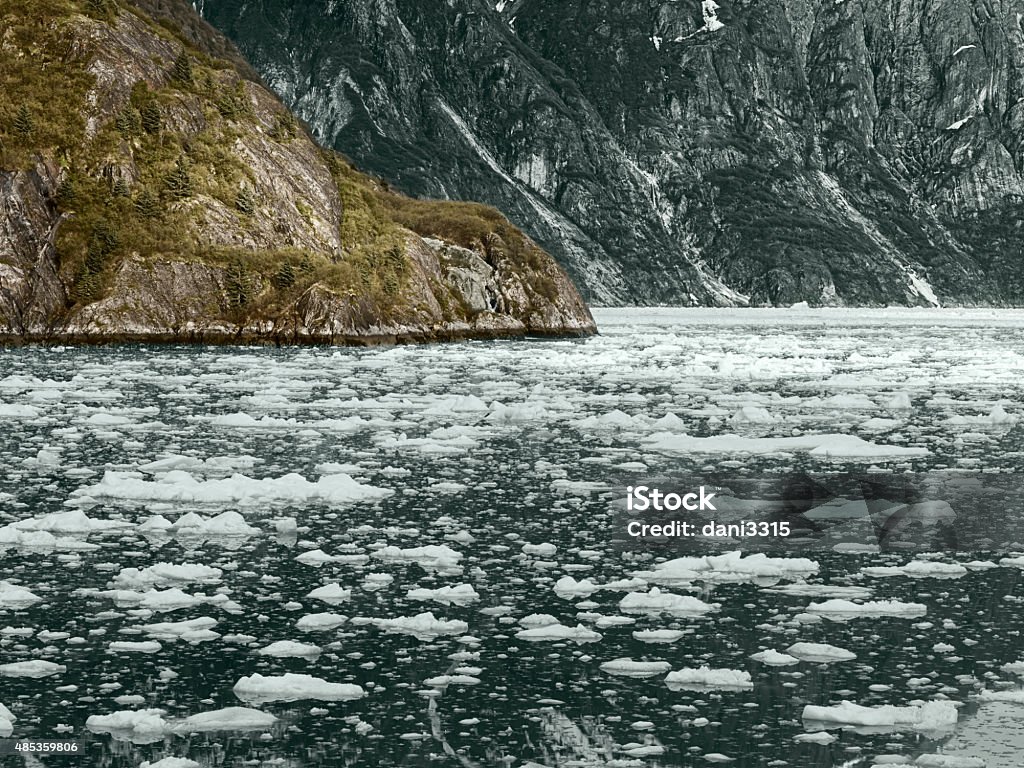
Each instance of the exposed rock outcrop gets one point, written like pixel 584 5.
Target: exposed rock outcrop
pixel 162 194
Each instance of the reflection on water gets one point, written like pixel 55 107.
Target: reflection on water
pixel 490 447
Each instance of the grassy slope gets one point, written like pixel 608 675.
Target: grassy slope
pixel 129 179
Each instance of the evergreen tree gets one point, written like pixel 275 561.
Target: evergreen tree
pixel 120 188
pixel 227 106
pixel 285 277
pixel 151 118
pixel 147 205
pixel 128 122
pixel 182 71
pixel 237 285
pixel 178 183
pixel 24 123
pixel 245 202
pixel 102 244
pixel 66 192
pixel 100 8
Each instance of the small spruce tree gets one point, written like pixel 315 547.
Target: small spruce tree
pixel 128 122
pixel 237 284
pixel 120 188
pixel 66 192
pixel 178 183
pixel 285 277
pixel 24 123
pixel 99 8
pixel 147 205
pixel 150 117
pixel 182 71
pixel 245 201
pixel 102 244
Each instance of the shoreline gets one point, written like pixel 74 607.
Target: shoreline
pixel 247 339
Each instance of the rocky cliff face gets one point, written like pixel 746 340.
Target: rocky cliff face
pixel 688 151
pixel 153 190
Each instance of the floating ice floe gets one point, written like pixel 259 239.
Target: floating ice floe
pixel 320 622
pixel 567 587
pixel 219 464
pixel 918 569
pixel 226 719
pixel 239 420
pixel 15 596
pixel 929 716
pixel 161 601
pixel 332 594
pixel 821 590
pixel 626 667
pixel 949 761
pixel 423 626
pixel 706 677
pixel 293 687
pixel 540 550
pixel 559 632
pixel 163 574
pixel 729 567
pixel 838 609
pixel 38 540
pixel 435 446
pixel 71 521
pixel 139 726
pixel 657 601
pixel 17 411
pixel 429 556
pixel 820 652
pixel 33 668
pixel 613 420
pixel 315 557
pixel 229 523
pixel 1009 697
pixel 827 446
pixel 180 486
pixel 443 681
pixel 290 649
pixel 191 630
pixel 456 404
pixel 461 594
pixel 658 635
pixel 7 719
pixel 819 737
pixel 752 414
pixel 170 762
pixel 773 658
pixel 145 646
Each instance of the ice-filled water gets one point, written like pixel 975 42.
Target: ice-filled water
pixel 403 556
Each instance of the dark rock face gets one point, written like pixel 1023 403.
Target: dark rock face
pixel 688 151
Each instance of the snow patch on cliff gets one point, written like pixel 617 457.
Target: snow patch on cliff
pixel 709 8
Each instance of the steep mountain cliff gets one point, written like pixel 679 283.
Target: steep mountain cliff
pixel 688 151
pixel 153 189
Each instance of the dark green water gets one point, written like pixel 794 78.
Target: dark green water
pixel 486 479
